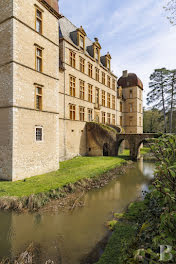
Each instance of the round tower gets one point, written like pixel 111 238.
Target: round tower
pixel 132 89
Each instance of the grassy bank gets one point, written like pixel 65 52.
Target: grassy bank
pixel 70 171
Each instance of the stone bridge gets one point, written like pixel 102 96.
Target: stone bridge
pixel 134 141
pixel 104 140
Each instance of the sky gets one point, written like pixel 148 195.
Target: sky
pixel 137 33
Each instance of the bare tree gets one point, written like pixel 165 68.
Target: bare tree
pixel 171 11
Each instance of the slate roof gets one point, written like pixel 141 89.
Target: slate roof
pixel 68 31
pixel 130 81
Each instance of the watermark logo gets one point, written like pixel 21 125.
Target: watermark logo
pixel 165 253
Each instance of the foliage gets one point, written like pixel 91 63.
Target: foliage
pixel 70 171
pixel 153 121
pixel 121 239
pixel 171 10
pixel 159 218
pixel 162 96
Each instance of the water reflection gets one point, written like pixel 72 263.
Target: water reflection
pixel 66 237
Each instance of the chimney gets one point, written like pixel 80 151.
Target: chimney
pixel 125 74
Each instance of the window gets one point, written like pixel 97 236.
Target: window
pixel 140 123
pixel 90 91
pixel 81 42
pixel 38 98
pixel 81 113
pixel 113 102
pixel 120 106
pixel 109 100
pixel 81 91
pixel 39 59
pixel 109 118
pixel 103 78
pixel 72 112
pixel 121 120
pixel 140 94
pixel 72 59
pixel 97 96
pixel 103 117
pixel 109 81
pixel 113 84
pixel 131 108
pixel 39 133
pixel 113 119
pixel 103 98
pixel 131 93
pixel 90 115
pixel 90 69
pixel 140 108
pixel 108 64
pixel 38 21
pixel 97 74
pixel 72 85
pixel 96 54
pixel 82 64
pixel 130 121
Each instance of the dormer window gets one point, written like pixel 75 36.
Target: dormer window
pixel 96 49
pixel 81 34
pixel 96 55
pixel 81 42
pixel 108 61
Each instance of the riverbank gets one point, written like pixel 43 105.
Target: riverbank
pixel 74 176
pixel 146 225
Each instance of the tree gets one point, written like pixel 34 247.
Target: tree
pixel 171 10
pixel 171 93
pixel 153 121
pixel 157 96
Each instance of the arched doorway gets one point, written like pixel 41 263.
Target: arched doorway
pixel 105 149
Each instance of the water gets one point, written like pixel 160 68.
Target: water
pixel 67 237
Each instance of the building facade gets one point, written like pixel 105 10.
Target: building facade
pixel 53 79
pixel 88 88
pixel 29 85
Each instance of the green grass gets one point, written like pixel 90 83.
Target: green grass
pixel 121 239
pixel 70 171
pixel 144 150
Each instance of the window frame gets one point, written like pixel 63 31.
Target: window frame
pixel 97 74
pixel 82 64
pixel 72 86
pixel 90 70
pixel 42 135
pixel 108 118
pixel 38 57
pixel 113 102
pixel 72 57
pixel 90 92
pixel 72 112
pixel 103 98
pixel 113 85
pixel 40 95
pixel 90 114
pixel 103 117
pixel 81 89
pixel 103 78
pixel 108 81
pixel 40 19
pixel 108 100
pixel 81 113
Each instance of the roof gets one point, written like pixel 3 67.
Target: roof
pixel 53 4
pixel 68 31
pixel 130 81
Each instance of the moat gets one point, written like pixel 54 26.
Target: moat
pixel 66 237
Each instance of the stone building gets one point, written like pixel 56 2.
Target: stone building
pixel 88 88
pixel 132 106
pixel 53 79
pixel 29 86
